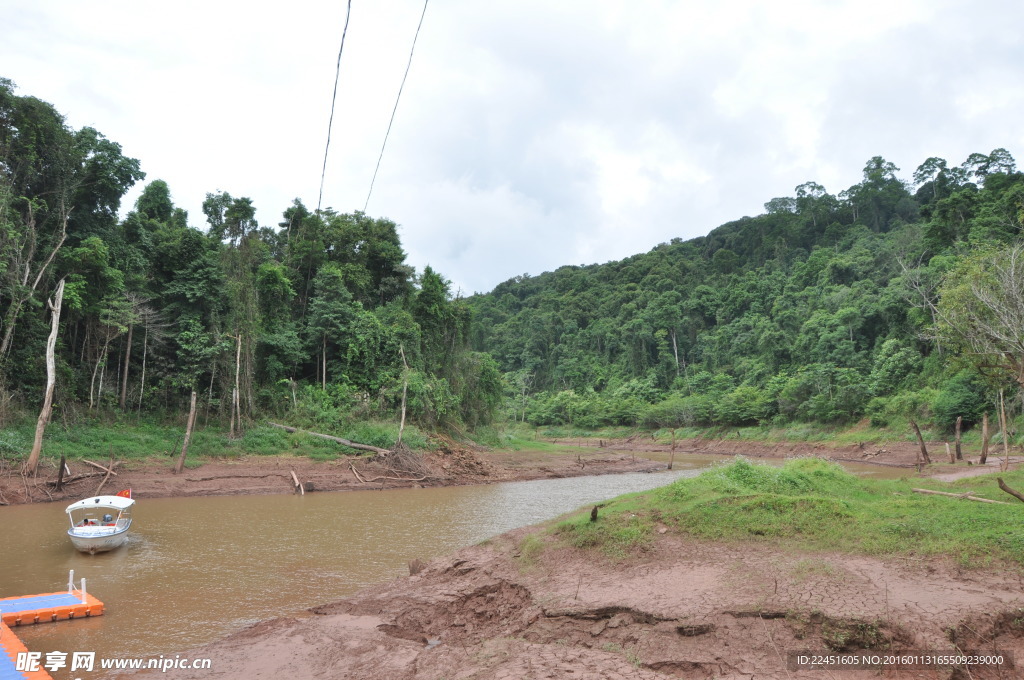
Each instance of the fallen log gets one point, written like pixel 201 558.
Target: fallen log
pixel 97 465
pixel 1013 492
pixel 959 495
pixel 339 440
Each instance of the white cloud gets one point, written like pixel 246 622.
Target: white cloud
pixel 530 134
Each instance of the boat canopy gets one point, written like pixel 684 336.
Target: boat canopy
pixel 119 502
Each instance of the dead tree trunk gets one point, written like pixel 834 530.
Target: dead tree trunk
pixel 959 425
pixel 236 412
pixel 16 304
pixel 142 382
pixel 124 375
pixel 188 435
pixel 32 464
pixel 920 441
pixel 672 457
pixel 405 389
pixel 1005 465
pixel 984 440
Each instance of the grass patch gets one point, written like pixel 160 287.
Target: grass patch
pixel 814 504
pixel 530 549
pixel 128 438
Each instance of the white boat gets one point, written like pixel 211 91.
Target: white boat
pixel 100 523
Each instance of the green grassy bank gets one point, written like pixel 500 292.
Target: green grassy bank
pixel 813 504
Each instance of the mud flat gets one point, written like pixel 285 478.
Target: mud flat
pixel 685 608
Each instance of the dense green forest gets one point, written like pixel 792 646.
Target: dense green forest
pixel 825 309
pixel 318 316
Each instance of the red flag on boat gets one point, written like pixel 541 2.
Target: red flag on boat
pixel 126 493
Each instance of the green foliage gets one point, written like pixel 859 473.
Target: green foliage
pixel 964 396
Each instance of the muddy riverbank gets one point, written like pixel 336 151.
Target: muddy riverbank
pixel 684 608
pixel 448 465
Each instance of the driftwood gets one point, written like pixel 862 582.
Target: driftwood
pixel 110 471
pixel 339 440
pixel 383 477
pixel 964 496
pixel 1013 492
pixel 75 478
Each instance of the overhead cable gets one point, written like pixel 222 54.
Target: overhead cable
pixel 386 134
pixel 334 97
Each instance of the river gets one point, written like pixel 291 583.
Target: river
pixel 196 569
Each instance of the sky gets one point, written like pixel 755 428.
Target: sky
pixel 529 134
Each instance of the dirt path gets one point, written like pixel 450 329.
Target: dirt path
pixel 683 609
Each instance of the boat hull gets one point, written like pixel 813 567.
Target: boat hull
pixel 93 543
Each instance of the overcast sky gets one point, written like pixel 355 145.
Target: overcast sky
pixel 530 134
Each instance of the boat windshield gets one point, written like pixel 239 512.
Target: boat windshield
pixel 98 516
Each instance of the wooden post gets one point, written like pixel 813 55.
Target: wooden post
pixel 949 453
pixel 180 465
pixel 32 464
pixel 984 440
pixel 920 441
pixel 959 424
pixel 59 486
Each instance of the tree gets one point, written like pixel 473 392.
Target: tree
pixel 44 415
pixel 981 311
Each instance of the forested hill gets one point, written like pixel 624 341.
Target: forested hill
pixel 318 316
pixel 820 309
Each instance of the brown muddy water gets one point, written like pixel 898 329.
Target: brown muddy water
pixel 196 569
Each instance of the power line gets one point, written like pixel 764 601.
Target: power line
pixel 386 134
pixel 334 97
